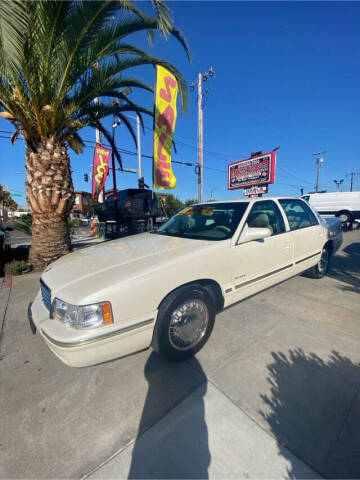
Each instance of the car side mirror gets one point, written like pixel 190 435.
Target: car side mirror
pixel 249 234
pixel 9 229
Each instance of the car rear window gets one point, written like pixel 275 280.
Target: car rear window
pixel 298 214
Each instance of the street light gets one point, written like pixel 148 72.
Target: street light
pixel 338 183
pixel 116 123
pixel 211 194
pixel 319 161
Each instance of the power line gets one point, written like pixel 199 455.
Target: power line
pixel 188 164
pixel 177 141
pixel 194 147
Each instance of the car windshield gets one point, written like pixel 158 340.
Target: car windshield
pixel 213 221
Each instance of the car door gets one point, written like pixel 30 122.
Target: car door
pixel 259 264
pixel 306 234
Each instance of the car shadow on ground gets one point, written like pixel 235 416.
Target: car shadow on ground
pixel 346 268
pixel 313 409
pixel 180 449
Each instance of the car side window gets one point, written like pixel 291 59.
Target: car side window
pixel 266 214
pixel 298 214
pixel 313 219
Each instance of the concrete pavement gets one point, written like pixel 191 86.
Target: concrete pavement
pixel 274 394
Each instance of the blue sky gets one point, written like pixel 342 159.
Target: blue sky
pixel 287 74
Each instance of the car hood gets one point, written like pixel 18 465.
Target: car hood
pixel 76 274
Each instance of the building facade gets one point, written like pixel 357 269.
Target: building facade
pixel 82 206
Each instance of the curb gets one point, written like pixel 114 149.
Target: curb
pixel 7 282
pixel 4 300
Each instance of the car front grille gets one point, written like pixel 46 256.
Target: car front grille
pixel 46 295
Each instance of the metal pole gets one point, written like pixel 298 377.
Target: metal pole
pixel 138 146
pixel 319 161
pixel 113 161
pixel 98 138
pixel 351 181
pixel 200 140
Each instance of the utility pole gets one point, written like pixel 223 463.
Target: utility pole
pixel 338 183
pixel 352 175
pixel 138 142
pixel 319 161
pixel 200 139
pixel 202 77
pixel 116 123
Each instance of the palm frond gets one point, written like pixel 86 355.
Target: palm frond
pixel 165 23
pixel 14 18
pixel 75 142
pixel 56 57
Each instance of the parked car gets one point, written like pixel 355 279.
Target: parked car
pixel 5 246
pixel 344 205
pixel 164 288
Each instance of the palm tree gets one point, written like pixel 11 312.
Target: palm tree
pixel 56 57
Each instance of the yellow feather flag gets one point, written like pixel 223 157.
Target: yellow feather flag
pixel 164 126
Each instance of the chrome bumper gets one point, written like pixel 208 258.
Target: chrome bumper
pixel 96 338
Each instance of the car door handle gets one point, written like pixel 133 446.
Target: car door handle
pixel 285 245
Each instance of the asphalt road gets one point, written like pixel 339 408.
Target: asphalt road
pixel 18 238
pixel 274 394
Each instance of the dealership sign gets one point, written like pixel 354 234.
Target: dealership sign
pixel 256 190
pixel 254 171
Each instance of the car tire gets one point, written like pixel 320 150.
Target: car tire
pixel 184 323
pixel 345 217
pixel 320 269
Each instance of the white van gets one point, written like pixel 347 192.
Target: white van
pixel 345 205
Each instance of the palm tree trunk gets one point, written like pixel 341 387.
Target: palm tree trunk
pixel 50 194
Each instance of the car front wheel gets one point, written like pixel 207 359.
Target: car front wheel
pixel 184 324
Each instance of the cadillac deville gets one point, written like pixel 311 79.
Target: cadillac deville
pixel 163 288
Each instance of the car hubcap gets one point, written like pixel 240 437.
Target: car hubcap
pixel 324 260
pixel 188 324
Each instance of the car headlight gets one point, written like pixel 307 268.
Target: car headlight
pixel 84 316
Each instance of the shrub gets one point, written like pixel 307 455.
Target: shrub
pixel 24 224
pixel 74 222
pixel 17 267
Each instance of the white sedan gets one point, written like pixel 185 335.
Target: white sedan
pixel 164 288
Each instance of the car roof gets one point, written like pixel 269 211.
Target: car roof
pixel 247 200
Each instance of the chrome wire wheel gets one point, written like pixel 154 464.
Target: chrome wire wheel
pixel 188 324
pixel 324 261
